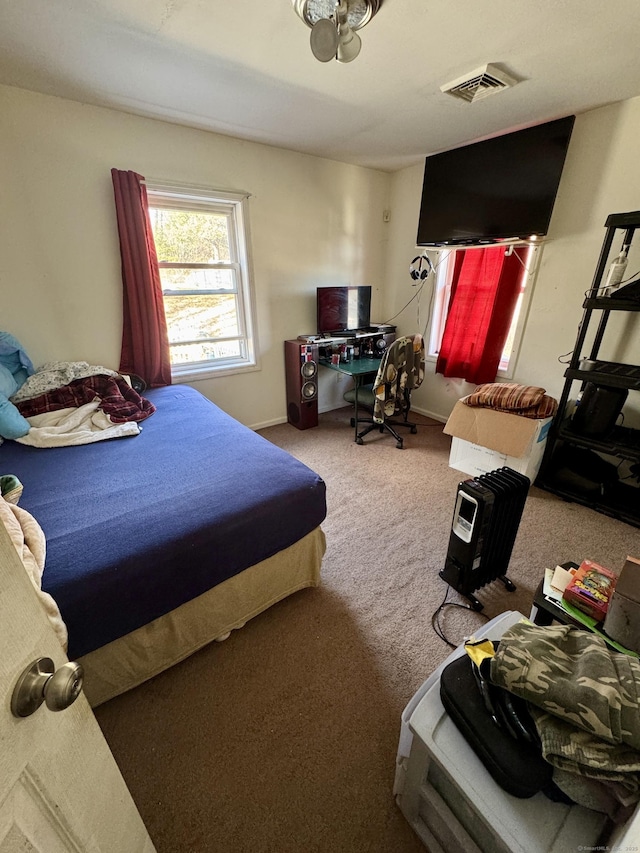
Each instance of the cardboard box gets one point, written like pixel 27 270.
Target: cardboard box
pixel 484 439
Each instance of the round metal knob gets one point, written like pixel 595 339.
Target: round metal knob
pixel 64 686
pixel 41 682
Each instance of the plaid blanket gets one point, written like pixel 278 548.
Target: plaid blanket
pixel 117 399
pixel 530 401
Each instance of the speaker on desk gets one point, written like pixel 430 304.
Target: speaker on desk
pixel 301 369
pixel 383 341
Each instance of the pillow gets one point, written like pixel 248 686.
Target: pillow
pixel 546 408
pixel 12 423
pixel 506 396
pixel 8 383
pixel 14 358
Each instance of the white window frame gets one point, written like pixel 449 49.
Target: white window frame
pixel 233 204
pixel 443 265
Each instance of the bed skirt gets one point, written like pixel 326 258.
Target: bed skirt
pixel 130 660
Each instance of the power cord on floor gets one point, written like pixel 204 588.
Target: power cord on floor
pixel 435 624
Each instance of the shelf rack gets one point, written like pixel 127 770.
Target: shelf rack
pixel 619 500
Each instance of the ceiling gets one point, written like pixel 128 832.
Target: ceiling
pixel 245 68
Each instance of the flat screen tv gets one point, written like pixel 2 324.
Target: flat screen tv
pixel 343 308
pixel 498 189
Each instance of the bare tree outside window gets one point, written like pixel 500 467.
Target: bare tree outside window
pixel 202 256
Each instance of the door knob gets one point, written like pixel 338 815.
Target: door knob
pixel 42 682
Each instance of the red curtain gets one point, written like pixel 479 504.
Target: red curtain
pixel 145 343
pixel 484 292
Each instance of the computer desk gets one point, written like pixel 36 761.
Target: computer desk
pixel 358 369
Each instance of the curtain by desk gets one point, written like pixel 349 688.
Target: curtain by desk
pixel 145 343
pixel 484 292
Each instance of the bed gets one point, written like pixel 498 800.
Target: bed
pixel 160 542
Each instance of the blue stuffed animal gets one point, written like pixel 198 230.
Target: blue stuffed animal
pixel 15 367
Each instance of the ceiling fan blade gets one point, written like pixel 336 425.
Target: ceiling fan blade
pixel 324 40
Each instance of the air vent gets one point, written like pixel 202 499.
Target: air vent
pixel 484 81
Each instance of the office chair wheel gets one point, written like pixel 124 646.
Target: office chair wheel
pixel 400 445
pixel 352 422
pixel 359 440
pixel 414 430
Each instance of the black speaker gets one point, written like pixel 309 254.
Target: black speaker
pixel 598 410
pixel 375 344
pixel 381 343
pixel 301 369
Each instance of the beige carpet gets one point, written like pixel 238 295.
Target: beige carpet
pixel 284 737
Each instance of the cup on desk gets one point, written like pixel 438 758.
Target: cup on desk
pixel 335 358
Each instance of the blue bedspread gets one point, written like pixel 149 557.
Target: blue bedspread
pixel 137 526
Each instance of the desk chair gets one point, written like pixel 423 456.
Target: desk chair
pixel 401 371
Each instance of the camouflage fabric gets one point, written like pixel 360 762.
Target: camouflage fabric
pixel 401 370
pixel 572 674
pixel 584 699
pixel 578 752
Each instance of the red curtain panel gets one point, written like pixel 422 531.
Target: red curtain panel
pixel 145 343
pixel 484 292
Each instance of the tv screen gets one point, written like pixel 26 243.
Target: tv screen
pixel 498 189
pixel 343 308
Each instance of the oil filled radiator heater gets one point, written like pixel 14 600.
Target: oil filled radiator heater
pixel 486 517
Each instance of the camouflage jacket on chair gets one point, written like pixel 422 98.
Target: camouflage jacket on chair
pixel 401 370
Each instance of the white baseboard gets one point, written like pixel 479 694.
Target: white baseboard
pixel 266 424
pixel 283 420
pixel 428 414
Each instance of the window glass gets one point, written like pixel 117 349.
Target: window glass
pixel 191 236
pixel 200 239
pixel 181 279
pixel 204 318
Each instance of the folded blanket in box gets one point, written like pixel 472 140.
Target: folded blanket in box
pixel 529 401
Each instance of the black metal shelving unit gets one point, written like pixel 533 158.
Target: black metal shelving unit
pixel 619 499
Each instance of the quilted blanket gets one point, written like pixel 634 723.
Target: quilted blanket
pixel 71 403
pixel 117 398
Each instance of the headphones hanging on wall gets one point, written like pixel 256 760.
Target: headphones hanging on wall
pixel 420 268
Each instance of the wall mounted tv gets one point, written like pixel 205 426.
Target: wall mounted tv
pixel 343 308
pixel 498 189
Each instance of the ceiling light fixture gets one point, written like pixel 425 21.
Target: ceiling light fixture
pixel 333 26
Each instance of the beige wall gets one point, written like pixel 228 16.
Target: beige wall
pixel 601 176
pixel 313 222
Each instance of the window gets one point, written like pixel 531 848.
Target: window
pixel 444 277
pixel 201 244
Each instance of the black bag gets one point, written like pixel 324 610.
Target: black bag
pixel 515 764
